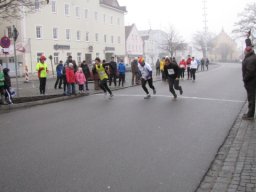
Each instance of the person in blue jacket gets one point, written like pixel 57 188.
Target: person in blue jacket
pixel 121 71
pixel 59 71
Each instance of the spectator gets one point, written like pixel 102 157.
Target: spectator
pixel 121 71
pixel 7 86
pixel 42 70
pixel 80 79
pixel 87 73
pixel 71 80
pixel 2 85
pixel 59 71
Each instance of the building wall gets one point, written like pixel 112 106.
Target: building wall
pixel 101 20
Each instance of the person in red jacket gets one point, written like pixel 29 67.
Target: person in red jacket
pixel 71 79
pixel 182 66
pixel 188 63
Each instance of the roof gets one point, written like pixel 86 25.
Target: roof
pixel 113 4
pixel 128 30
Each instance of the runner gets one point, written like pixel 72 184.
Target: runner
pixel 100 68
pixel 146 76
pixel 172 72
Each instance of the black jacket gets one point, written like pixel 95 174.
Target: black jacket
pixel 249 67
pixel 7 80
pixel 172 70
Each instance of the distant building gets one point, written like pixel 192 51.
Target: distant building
pixel 134 43
pixel 152 42
pixel 224 49
pixel 84 29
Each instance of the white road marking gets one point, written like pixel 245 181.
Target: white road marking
pixel 183 97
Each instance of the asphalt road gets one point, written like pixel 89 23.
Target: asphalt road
pixel 126 144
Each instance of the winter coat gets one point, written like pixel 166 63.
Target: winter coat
pixel 7 79
pixel 80 78
pixel 146 71
pixel 86 70
pixel 249 67
pixel 112 67
pixel 182 64
pixel 172 70
pixel 70 75
pixel 1 79
pixel 188 62
pixel 121 68
pixel 59 70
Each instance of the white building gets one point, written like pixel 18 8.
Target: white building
pixel 84 29
pixel 134 43
pixel 153 41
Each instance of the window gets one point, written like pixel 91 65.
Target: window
pixel 77 12
pixel 87 36
pixel 38 32
pixel 96 16
pixel 104 18
pixel 79 59
pixel 55 33
pixel 54 7
pixel 56 58
pixel 11 60
pixel 112 39
pixel 9 32
pixel 119 39
pixel 105 38
pixel 67 11
pixel 78 35
pixel 68 34
pixel 111 20
pixel 96 37
pixel 86 13
pixel 37 5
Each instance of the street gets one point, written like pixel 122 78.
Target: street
pixel 126 144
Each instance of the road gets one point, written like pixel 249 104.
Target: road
pixel 126 144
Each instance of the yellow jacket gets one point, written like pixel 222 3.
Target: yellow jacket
pixel 42 69
pixel 162 65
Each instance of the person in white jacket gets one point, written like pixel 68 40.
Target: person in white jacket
pixel 193 68
pixel 146 76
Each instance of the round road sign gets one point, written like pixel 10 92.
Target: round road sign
pixel 5 42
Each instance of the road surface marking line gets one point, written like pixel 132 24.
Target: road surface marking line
pixel 184 97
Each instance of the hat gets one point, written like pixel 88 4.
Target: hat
pixel 141 60
pixel 42 58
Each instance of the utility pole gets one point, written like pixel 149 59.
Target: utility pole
pixel 205 27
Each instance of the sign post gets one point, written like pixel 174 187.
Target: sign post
pixel 15 36
pixel 5 42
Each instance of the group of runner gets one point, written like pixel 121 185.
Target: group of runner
pixel 171 71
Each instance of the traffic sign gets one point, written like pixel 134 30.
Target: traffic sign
pixel 5 42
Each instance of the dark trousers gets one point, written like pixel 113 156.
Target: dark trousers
pixel 42 85
pixel 174 84
pixel 157 71
pixel 58 81
pixel 188 70
pixel 182 72
pixel 163 76
pixel 193 74
pixel 104 86
pixel 150 83
pixel 112 77
pixel 135 78
pixel 86 84
pixel 121 79
pixel 81 87
pixel 202 67
pixel 250 89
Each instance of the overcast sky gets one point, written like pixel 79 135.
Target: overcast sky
pixel 185 15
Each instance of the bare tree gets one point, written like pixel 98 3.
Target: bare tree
pixel 203 42
pixel 246 22
pixel 173 43
pixel 14 9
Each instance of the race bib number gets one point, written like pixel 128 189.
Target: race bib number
pixel 170 71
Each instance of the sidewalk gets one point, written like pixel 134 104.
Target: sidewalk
pixel 234 167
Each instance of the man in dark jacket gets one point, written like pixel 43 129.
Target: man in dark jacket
pixel 87 73
pixel 172 71
pixel 112 71
pixel 249 78
pixel 59 71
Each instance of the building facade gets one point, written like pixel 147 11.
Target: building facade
pixel 84 29
pixel 134 43
pixel 152 41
